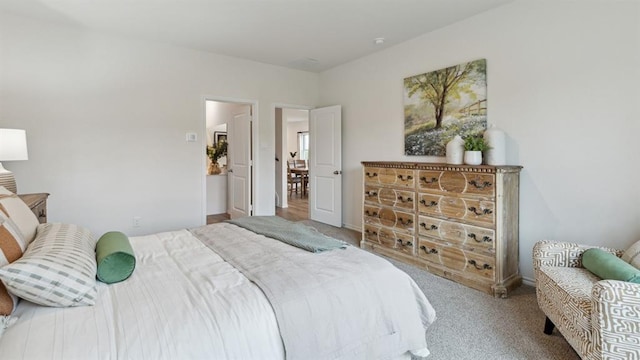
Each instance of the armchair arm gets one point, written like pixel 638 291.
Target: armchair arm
pixel 615 319
pixel 566 254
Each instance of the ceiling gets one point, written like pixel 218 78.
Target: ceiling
pixel 309 35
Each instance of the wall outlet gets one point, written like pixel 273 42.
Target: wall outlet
pixel 191 137
pixel 136 221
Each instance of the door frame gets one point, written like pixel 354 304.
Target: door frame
pixel 255 143
pixel 283 158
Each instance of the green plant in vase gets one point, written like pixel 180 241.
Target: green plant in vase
pixel 474 146
pixel 215 152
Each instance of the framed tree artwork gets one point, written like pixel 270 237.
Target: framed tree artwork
pixel 441 104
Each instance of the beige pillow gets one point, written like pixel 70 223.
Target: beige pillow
pixel 632 254
pixel 12 246
pixel 20 213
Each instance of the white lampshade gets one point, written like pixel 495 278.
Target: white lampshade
pixel 13 146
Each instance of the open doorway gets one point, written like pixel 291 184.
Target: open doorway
pixel 228 185
pixel 292 156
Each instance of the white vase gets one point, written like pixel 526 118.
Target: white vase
pixel 455 150
pixel 473 157
pixel 495 138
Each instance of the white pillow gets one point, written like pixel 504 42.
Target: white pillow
pixel 58 269
pixel 19 212
pixel 632 254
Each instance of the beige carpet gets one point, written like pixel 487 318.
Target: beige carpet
pixel 474 325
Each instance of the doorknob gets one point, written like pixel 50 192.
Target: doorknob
pixel 230 170
pixel 337 172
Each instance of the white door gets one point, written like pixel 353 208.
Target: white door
pixel 325 165
pixel 239 162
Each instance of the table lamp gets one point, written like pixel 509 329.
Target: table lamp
pixel 13 146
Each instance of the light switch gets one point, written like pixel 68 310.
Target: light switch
pixel 192 137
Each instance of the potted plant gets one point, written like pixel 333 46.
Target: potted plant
pixel 473 148
pixel 215 152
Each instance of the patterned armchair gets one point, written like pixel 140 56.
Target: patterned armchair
pixel 599 318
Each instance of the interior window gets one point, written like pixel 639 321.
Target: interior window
pixel 303 145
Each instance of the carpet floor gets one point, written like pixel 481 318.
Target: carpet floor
pixel 473 325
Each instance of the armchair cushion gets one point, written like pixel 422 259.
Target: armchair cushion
pixel 632 254
pixel 609 267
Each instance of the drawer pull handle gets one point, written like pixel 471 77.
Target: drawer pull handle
pixel 405 222
pixel 483 267
pixel 428 251
pixel 371 175
pixel 480 186
pixel 408 243
pixel 484 238
pixel 408 199
pixel 430 181
pixel 367 231
pixel 482 212
pixel 430 204
pixel 371 213
pixel 405 178
pixel 432 227
pixel 371 193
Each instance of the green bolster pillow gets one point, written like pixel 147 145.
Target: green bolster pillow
pixel 115 257
pixel 609 267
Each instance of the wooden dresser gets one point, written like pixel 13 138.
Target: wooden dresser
pixel 456 221
pixel 38 204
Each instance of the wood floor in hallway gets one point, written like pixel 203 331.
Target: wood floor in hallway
pixel 298 210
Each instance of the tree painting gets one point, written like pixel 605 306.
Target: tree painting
pixel 441 104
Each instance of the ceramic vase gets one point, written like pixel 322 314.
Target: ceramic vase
pixel 214 168
pixel 473 157
pixel 455 150
pixel 495 138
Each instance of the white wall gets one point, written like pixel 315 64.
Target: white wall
pixel 106 119
pixel 293 128
pixel 562 82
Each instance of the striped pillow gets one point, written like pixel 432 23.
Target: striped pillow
pixel 12 245
pixel 58 269
pixel 632 254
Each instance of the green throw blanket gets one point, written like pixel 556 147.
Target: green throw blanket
pixel 115 257
pixel 295 234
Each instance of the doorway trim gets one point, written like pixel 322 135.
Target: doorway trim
pixel 274 106
pixel 255 143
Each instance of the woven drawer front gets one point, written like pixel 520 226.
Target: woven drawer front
pixel 402 199
pixel 457 182
pixel 472 237
pixel 403 178
pixel 390 239
pixel 379 215
pixel 455 258
pixel 473 210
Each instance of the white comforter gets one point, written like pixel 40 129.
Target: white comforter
pixel 182 302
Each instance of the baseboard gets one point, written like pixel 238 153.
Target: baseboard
pixel 528 281
pixel 352 227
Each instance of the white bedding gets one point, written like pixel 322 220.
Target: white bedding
pixel 182 302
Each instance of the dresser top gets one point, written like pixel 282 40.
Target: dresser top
pixel 442 166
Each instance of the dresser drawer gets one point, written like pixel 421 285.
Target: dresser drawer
pixel 390 239
pixel 402 199
pixel 476 211
pixel 457 182
pixel 456 258
pixel 380 215
pixel 471 237
pixel 402 178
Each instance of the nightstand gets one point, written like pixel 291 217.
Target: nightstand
pixel 37 203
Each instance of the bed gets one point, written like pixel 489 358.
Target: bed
pixel 224 292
